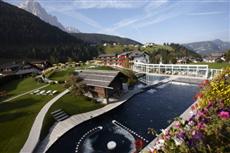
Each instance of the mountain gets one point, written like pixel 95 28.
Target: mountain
pixel 169 53
pixel 23 35
pixel 36 9
pixel 71 30
pixel 93 38
pixel 208 47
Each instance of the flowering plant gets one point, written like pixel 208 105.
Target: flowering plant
pixel 208 128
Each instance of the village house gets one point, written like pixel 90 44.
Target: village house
pixel 108 59
pixel 126 59
pixel 214 57
pixel 42 64
pixel 148 45
pixel 103 84
pixel 19 69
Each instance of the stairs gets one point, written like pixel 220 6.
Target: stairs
pixel 59 115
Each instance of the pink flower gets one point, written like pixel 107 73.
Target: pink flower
pixel 177 124
pixel 193 107
pixel 198 96
pixel 200 126
pixel 200 114
pixel 224 115
pixel 204 83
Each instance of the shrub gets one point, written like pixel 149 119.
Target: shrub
pixel 208 129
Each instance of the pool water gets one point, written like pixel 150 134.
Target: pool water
pixel 155 108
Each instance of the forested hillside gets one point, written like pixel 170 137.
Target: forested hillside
pixel 167 52
pixel 99 39
pixel 24 35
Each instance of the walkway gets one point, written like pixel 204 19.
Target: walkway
pixel 35 131
pixel 61 128
pixel 25 93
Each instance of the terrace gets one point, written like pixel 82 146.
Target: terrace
pixel 185 70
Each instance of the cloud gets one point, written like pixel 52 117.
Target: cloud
pixel 205 13
pixel 71 13
pixel 119 25
pixel 86 4
pixel 154 12
pixel 155 4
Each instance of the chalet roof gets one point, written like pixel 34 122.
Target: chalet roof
pixel 38 61
pixel 136 54
pixel 10 65
pixel 132 54
pixel 125 53
pixel 107 55
pixel 216 54
pixel 97 78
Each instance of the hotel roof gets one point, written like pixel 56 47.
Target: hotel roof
pixel 97 78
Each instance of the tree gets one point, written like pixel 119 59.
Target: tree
pixel 173 60
pixel 3 93
pixel 78 87
pixel 227 56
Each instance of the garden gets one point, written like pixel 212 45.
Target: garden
pixel 17 117
pixel 70 104
pixel 19 86
pixel 207 130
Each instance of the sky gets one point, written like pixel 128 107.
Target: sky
pixel 158 21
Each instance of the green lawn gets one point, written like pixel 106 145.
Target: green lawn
pixel 17 117
pixel 103 68
pixel 62 75
pixel 215 65
pixel 71 105
pixel 19 86
pixel 95 67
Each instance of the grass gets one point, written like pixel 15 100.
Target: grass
pixel 103 68
pixel 71 105
pixel 62 75
pixel 20 86
pixel 215 65
pixel 94 67
pixel 17 117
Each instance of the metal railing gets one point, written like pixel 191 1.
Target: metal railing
pixel 189 70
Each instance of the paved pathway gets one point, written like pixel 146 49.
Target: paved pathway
pixel 61 128
pixel 25 93
pixel 35 131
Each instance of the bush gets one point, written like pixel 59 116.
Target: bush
pixel 208 129
pixel 132 79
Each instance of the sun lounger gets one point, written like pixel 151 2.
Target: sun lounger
pixel 54 92
pixel 41 92
pixel 49 91
pixel 34 92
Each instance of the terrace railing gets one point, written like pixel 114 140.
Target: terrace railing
pixel 188 70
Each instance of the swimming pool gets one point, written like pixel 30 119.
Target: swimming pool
pixel 129 122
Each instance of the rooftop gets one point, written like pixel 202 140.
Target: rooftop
pixel 98 78
pixel 107 55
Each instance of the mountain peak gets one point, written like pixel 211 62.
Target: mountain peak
pixel 207 47
pixel 34 7
pixel 71 30
pixel 218 41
